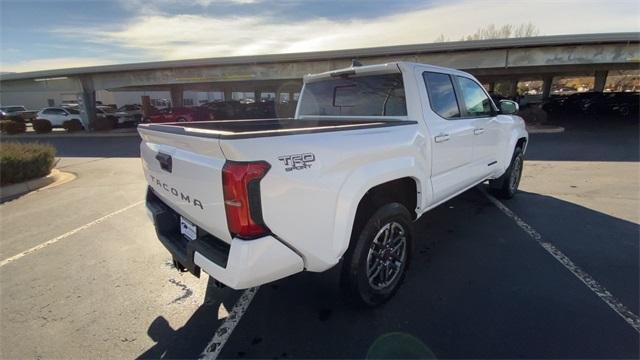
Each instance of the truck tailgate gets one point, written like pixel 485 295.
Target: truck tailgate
pixel 186 173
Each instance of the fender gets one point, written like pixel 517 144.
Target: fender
pixel 517 131
pixel 365 178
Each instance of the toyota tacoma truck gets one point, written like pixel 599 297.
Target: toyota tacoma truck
pixel 370 150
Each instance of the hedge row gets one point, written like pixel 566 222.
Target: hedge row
pixel 42 126
pixel 25 161
pixel 12 127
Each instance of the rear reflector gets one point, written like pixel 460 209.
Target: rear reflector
pixel 241 187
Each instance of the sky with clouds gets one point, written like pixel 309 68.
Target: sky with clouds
pixel 50 34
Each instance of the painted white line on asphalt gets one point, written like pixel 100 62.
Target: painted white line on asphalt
pixel 604 295
pixel 221 336
pixel 65 235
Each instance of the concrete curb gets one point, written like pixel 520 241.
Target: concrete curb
pixel 55 178
pixel 545 129
pixel 67 135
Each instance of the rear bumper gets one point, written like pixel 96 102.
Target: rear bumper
pixel 239 265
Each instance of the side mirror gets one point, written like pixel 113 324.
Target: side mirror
pixel 508 107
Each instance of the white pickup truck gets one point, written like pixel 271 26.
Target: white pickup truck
pixel 371 149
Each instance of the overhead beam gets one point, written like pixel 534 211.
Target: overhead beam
pixel 629 39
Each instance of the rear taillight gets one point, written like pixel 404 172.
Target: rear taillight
pixel 241 188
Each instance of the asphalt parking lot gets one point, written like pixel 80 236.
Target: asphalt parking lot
pixel 480 285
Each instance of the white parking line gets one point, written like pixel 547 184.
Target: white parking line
pixel 221 336
pixel 604 295
pixel 65 235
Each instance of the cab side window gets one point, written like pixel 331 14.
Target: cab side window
pixel 476 102
pixel 442 96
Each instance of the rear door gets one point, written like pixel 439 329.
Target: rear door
pixel 451 135
pixel 477 107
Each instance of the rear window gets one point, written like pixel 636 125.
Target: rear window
pixel 442 96
pixel 373 95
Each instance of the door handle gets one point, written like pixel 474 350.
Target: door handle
pixel 165 161
pixel 478 131
pixel 442 138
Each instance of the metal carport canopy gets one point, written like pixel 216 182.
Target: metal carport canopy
pixel 376 52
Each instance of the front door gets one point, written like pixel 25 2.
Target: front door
pixel 55 116
pixel 451 136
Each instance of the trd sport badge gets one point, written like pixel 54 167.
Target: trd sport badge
pixel 297 161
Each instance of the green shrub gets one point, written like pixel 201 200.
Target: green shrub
pixel 72 125
pixel 101 124
pixel 41 126
pixel 24 161
pixel 12 127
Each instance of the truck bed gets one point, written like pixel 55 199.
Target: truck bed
pixel 239 129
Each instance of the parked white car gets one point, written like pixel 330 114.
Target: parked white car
pixel 371 149
pixel 58 115
pixel 129 114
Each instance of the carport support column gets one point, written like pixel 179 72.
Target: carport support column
pixel 177 95
pixel 88 104
pixel 513 88
pixel 600 80
pixel 228 94
pixel 146 106
pixel 546 86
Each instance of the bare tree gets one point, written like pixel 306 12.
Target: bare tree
pixel 503 32
pixel 526 30
pixel 441 39
pixel 492 31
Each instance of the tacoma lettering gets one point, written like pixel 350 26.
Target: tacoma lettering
pixel 175 192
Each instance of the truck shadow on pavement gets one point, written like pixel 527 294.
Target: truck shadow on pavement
pixel 478 287
pixel 190 340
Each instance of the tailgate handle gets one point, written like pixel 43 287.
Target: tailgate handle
pixel 165 161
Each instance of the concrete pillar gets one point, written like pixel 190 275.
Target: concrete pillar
pixel 513 88
pixel 546 86
pixel 88 104
pixel 177 95
pixel 146 106
pixel 600 80
pixel 228 94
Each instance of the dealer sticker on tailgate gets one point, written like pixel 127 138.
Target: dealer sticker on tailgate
pixel 188 229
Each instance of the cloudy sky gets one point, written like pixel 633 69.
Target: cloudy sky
pixel 48 34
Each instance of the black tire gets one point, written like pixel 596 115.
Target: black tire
pixel 362 257
pixel 181 119
pixel 146 120
pixel 506 186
